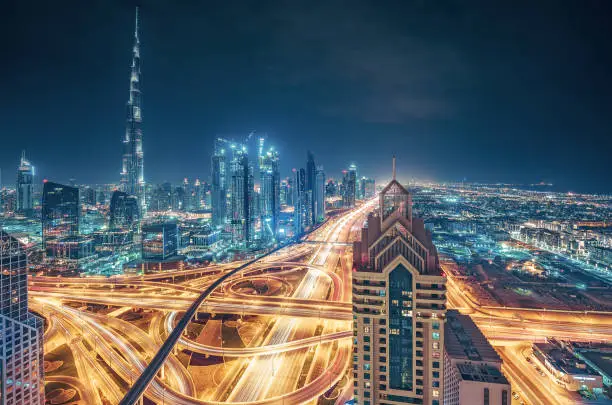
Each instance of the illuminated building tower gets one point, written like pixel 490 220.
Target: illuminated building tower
pixel 270 194
pixel 60 217
pixel 132 173
pixel 299 201
pixel 60 214
pixel 349 181
pixel 241 199
pixel 284 192
pixel 89 196
pixel 21 333
pixel 311 186
pixel 320 195
pixel 369 189
pixel 25 186
pixel 219 185
pixel 399 307
pixel 159 241
pixel 123 211
pixel 197 195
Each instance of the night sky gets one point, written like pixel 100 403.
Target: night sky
pixel 509 91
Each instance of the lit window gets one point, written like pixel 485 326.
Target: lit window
pixel 435 335
pixel 435 393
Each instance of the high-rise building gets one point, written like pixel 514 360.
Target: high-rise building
pixel 25 186
pixel 159 241
pixel 399 305
pixel 60 214
pixel 311 185
pixel 60 217
pixel 123 211
pixel 241 198
pixel 269 194
pixel 21 333
pixel 472 368
pixel 300 209
pixel 132 173
pixel 219 184
pixel 320 195
pixel 89 195
pixel 349 181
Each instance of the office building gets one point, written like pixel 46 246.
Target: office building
pixel 21 333
pixel 367 188
pixel 472 368
pixel 349 183
pixel 132 173
pixel 159 241
pixel 60 217
pixel 311 186
pixel 269 195
pixel 319 195
pixel 242 216
pixel 123 212
pixel 399 305
pixel 25 186
pixel 219 184
pixel 300 202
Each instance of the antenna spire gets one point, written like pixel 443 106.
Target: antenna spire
pixel 393 167
pixel 136 26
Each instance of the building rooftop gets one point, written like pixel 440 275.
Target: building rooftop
pixel 481 373
pixel 463 340
pixel 562 359
pixel 601 360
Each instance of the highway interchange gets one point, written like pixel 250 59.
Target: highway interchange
pixel 304 351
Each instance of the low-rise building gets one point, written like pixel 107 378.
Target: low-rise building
pixel 569 371
pixel 472 368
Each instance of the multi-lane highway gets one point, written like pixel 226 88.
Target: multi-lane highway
pixel 303 350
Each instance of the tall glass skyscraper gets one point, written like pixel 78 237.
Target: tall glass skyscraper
pixel 311 186
pixel 319 194
pixel 25 186
pixel 269 194
pixel 123 211
pixel 219 184
pixel 21 333
pixel 132 173
pixel 399 307
pixel 60 219
pixel 349 181
pixel 241 197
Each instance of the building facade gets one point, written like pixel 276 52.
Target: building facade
pixel 132 171
pixel 320 196
pixel 25 186
pixel 60 216
pixel 349 183
pixel 270 200
pixel 399 307
pixel 472 368
pixel 21 333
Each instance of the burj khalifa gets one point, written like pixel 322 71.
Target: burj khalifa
pixel 132 173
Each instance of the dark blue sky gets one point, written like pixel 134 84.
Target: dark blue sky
pixel 512 91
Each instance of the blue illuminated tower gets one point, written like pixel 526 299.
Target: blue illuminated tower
pixel 132 173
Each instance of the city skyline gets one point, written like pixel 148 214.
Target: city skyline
pixel 524 152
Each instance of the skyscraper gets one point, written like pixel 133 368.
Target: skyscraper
pixel 241 198
pixel 269 194
pixel 349 181
pixel 320 195
pixel 299 201
pixel 123 211
pixel 60 217
pixel 311 186
pixel 132 173
pixel 219 185
pixel 399 305
pixel 25 186
pixel 21 333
